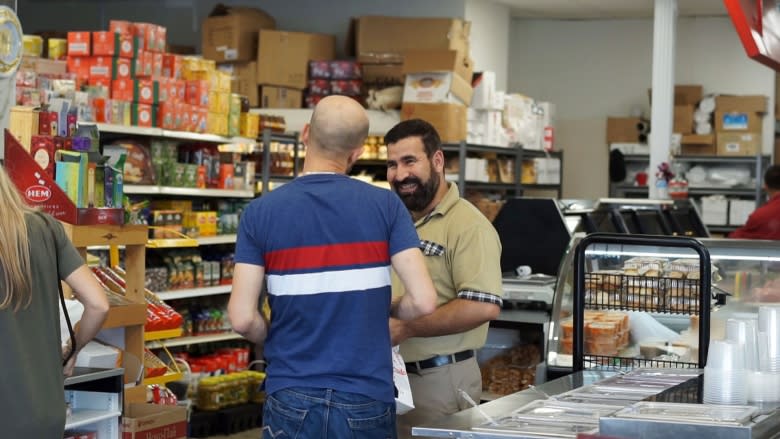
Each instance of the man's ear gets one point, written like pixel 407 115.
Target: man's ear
pixel 355 155
pixel 438 161
pixel 305 134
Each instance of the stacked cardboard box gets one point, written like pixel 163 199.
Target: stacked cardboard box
pixel 738 122
pixel 337 77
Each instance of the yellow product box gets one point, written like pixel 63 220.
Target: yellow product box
pixel 205 222
pixel 181 205
pixel 211 223
pixel 223 81
pixel 234 124
pixel 249 125
pixel 217 123
pixel 58 48
pixel 235 104
pixel 219 102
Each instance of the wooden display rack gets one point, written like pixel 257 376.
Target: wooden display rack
pixel 131 317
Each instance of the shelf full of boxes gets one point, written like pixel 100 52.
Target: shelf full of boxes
pixel 718 147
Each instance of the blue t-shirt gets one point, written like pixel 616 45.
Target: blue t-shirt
pixel 325 241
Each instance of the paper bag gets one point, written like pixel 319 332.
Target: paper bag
pixel 403 398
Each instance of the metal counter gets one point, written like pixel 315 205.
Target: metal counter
pixel 459 425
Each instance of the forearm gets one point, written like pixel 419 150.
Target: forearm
pixel 256 331
pixel 90 324
pixel 453 317
pixel 406 308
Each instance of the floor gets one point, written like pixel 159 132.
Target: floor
pixel 249 434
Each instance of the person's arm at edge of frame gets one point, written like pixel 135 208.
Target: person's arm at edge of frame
pixel 243 312
pixel 420 297
pixel 458 315
pixel 88 291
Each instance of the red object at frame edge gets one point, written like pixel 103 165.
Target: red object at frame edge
pixel 757 23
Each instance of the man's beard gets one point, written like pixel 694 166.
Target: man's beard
pixel 423 194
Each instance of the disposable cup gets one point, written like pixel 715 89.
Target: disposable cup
pixel 744 332
pixel 726 355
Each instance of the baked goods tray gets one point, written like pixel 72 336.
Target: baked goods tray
pixel 690 413
pixel 611 290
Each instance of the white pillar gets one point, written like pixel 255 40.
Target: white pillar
pixel 662 116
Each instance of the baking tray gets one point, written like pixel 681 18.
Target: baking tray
pixel 690 413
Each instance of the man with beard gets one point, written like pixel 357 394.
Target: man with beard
pixel 462 251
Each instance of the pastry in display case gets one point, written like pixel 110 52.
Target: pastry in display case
pixel 658 289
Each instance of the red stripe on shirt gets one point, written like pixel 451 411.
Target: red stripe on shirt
pixel 333 255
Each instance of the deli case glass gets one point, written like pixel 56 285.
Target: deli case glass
pixel 658 314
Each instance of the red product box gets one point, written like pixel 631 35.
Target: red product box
pixel 180 87
pixel 184 116
pixel 162 38
pixel 122 68
pixel 346 87
pixel 78 43
pixel 54 122
pixel 100 67
pixel 44 123
pixel 71 119
pixel 226 172
pixel 144 64
pixel 146 91
pixel 79 66
pixel 59 142
pixel 153 35
pixel 165 89
pixel 202 121
pixel 157 64
pixel 121 27
pixel 197 93
pixel 168 116
pixel 42 151
pixel 99 82
pixel 319 87
pixel 345 70
pixel 122 89
pixel 319 70
pixel 103 43
pixel 172 66
pixel 311 101
pixel 144 115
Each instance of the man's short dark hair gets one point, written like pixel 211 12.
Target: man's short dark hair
pixel 772 178
pixel 416 128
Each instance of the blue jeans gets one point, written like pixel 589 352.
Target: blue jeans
pixel 307 413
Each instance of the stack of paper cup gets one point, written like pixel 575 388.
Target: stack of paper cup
pixel 725 377
pixel 769 338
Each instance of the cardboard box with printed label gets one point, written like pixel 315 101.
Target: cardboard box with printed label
pixel 448 119
pixel 230 33
pixel 737 121
pixel 738 144
pixel 684 94
pixel 283 57
pixel 244 80
pixel 141 421
pixel 383 74
pixel 280 97
pixel 380 39
pixel 437 87
pixel 421 61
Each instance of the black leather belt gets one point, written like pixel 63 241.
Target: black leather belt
pixel 440 360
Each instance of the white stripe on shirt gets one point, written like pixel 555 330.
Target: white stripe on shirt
pixel 329 281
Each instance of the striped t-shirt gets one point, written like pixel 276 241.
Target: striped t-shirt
pixel 325 241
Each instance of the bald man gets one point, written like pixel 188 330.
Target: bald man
pixel 326 243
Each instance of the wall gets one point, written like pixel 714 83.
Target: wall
pixel 183 17
pixel 490 23
pixel 595 69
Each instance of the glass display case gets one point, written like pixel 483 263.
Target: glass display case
pixel 655 322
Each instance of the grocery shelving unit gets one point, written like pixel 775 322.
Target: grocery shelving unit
pixel 753 192
pixel 265 176
pixel 516 152
pixel 95 397
pixel 195 339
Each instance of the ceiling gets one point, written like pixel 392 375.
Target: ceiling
pixel 607 9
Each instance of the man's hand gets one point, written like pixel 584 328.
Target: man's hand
pixel 67 369
pixel 399 331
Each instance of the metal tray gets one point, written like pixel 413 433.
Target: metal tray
pixel 537 429
pixel 561 411
pixel 690 413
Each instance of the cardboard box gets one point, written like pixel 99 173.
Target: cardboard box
pixel 230 33
pixel 683 119
pixel 694 144
pixel 79 43
pixel 244 80
pixel 739 211
pixel 683 94
pixel 738 144
pixel 43 65
pixel 622 129
pixel 747 104
pixel 450 120
pixel 280 97
pixel 23 124
pixel 382 39
pixel 423 61
pixel 283 57
pixel 437 87
pixel 737 121
pixel 714 210
pixel 383 74
pixel 141 421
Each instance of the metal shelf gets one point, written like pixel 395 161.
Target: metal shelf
pixel 81 418
pixel 695 191
pixel 186 191
pixel 721 229
pixel 195 339
pixel 699 158
pixel 510 150
pixel 490 186
pixel 540 154
pixel 159 132
pixel 87 374
pixel 194 292
pixel 215 240
pixel 548 186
